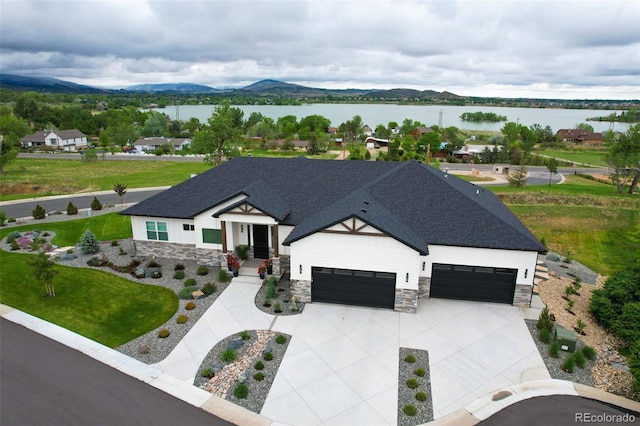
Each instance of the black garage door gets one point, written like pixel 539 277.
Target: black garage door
pixel 479 283
pixel 349 287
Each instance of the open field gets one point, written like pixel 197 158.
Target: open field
pixel 33 177
pixel 258 152
pixel 96 304
pixel 591 157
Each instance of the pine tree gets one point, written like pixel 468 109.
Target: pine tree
pixel 518 177
pixel 71 209
pixel 96 204
pixel 89 243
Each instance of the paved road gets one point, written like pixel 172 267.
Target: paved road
pixel 560 410
pixel 24 209
pixel 47 383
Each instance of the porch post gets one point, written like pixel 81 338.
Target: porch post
pixel 276 242
pixel 223 229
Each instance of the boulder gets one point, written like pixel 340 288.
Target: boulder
pixel 150 272
pixel 553 257
pixel 236 344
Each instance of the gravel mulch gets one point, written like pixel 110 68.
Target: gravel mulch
pixel 228 375
pixel 283 298
pixel 406 395
pixel 556 264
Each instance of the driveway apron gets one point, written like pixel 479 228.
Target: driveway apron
pixel 341 366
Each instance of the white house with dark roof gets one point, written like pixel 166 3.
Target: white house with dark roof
pixel 68 140
pixel 367 233
pixel 150 144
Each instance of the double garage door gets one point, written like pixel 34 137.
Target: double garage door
pixel 353 287
pixel 478 283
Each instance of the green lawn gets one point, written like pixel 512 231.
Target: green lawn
pixel 96 304
pixel 37 177
pixel 591 157
pixel 259 152
pixel 601 238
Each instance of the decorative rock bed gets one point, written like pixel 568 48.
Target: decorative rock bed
pixel 409 374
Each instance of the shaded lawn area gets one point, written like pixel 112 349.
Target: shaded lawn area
pixel 602 238
pixel 66 176
pixel 96 304
pixel 106 227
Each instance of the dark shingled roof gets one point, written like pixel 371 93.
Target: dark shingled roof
pixel 413 203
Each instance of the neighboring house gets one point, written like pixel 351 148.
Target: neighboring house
pixel 372 142
pixel 367 131
pixel 150 144
pixel 67 140
pixel 470 151
pixel 367 233
pixel 578 136
pixel 297 144
pixel 332 131
pixel 418 132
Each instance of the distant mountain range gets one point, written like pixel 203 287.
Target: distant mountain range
pixel 261 88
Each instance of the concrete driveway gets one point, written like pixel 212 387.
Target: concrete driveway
pixel 341 366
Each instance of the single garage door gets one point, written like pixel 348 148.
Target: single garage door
pixel 351 287
pixel 479 283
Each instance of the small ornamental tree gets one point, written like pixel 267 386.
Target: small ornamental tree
pixel 3 217
pixel 89 243
pixel 518 177
pixel 38 212
pixel 120 189
pixel 96 204
pixel 71 209
pixel 44 271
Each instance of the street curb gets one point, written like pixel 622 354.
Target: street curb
pixel 145 373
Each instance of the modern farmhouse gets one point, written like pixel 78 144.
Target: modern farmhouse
pixel 377 234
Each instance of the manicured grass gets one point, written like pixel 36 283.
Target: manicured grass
pixel 107 227
pixel 46 177
pixel 574 185
pixel 98 305
pixel 591 157
pixel 258 152
pixel 601 238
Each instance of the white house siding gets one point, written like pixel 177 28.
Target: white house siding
pixel 523 261
pixel 283 233
pixel 180 244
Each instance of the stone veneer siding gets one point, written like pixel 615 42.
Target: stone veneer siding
pixel 522 295
pixel 166 250
pixel 424 285
pixel 301 290
pixel 406 300
pixel 209 257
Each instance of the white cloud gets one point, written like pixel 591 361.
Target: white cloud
pixel 535 48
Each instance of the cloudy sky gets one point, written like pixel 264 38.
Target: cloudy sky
pixel 510 48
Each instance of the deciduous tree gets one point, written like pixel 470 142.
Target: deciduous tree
pixel 44 271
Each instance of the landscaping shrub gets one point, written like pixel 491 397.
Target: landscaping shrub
pixel 241 391
pixel 121 251
pixel 223 276
pixel 190 306
pixel 114 243
pixel 12 236
pixel 164 333
pixel 410 410
pixel 11 220
pixel 182 319
pixel 271 288
pixel 178 275
pixel 3 217
pixel 179 267
pixel 242 251
pixel 410 359
pixel 544 320
pixel 277 308
pixel 209 288
pixel 421 396
pixel 244 335
pixel 627 325
pixel 569 364
pixel 190 282
pixel 619 289
pixel 589 353
pixel 96 204
pixel 228 355
pixel 71 209
pixel 280 339
pixel 153 264
pixel 202 270
pixel 185 293
pixel 15 245
pixel 267 356
pixel 208 373
pixel 554 349
pixel 412 383
pixel 38 212
pixel 634 364
pixel 258 376
pixel 579 359
pixel 545 335
pixel 258 365
pixel 419 372
pixel 89 243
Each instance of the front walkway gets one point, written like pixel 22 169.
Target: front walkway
pixel 341 366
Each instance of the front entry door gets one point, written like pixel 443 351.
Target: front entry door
pixel 261 241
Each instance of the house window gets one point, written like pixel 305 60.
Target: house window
pixel 211 236
pixel 188 227
pixel 157 231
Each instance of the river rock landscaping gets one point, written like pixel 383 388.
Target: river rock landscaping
pixel 415 405
pixel 275 298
